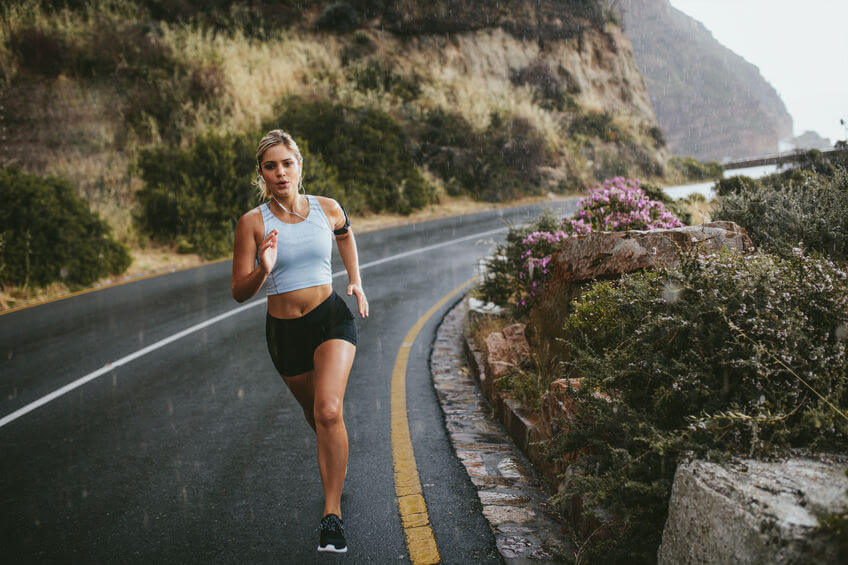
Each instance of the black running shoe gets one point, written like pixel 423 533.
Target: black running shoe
pixel 332 534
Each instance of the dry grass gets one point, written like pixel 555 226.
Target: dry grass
pixel 700 208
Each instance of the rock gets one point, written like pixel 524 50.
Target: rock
pixel 753 511
pixel 505 350
pixel 612 254
pixel 608 255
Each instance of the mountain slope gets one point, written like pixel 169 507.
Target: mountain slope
pixel 710 102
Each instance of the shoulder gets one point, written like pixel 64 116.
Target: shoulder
pixel 331 208
pixel 252 219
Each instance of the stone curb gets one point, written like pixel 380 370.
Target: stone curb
pixel 526 526
pixel 520 425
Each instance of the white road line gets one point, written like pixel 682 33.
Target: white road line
pixel 163 342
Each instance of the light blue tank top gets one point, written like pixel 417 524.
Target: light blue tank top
pixel 303 250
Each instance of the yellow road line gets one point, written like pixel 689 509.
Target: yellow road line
pixel 411 504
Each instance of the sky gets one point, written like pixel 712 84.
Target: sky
pixel 800 46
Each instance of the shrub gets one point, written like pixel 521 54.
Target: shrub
pixel 50 234
pixel 366 146
pixel 596 124
pixel 696 170
pixel 495 164
pixel 812 211
pixel 381 77
pixel 619 205
pixel 658 136
pixel 548 89
pixel 503 269
pixel 724 355
pixel 736 185
pixel 518 271
pixel 339 16
pixel 655 192
pixel 196 195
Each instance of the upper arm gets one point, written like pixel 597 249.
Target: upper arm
pixel 245 245
pixel 335 214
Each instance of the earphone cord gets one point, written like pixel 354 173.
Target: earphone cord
pixel 299 216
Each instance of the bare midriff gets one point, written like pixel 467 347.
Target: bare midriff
pixel 296 303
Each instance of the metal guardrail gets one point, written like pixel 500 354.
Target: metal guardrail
pixel 776 158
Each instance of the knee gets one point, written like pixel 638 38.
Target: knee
pixel 328 414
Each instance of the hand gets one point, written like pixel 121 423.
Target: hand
pixel 356 289
pixel 268 252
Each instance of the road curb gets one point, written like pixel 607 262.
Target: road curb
pixel 525 525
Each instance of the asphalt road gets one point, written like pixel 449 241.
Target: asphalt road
pixel 196 451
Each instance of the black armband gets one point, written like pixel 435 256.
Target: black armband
pixel 343 230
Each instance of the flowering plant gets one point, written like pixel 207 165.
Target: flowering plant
pixel 619 204
pixel 538 249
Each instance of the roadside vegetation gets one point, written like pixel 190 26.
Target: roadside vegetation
pixel 151 114
pixel 725 355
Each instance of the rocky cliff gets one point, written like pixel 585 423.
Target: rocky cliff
pixel 710 102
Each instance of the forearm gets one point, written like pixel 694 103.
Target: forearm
pixel 350 258
pixel 248 285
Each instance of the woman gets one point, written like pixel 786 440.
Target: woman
pixel 286 244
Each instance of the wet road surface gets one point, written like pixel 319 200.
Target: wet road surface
pixel 196 451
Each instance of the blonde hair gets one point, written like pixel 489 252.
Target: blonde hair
pixel 272 138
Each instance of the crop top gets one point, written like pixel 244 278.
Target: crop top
pixel 303 250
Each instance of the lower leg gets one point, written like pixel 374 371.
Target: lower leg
pixel 333 360
pixel 332 459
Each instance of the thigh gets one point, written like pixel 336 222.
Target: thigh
pixel 301 386
pixel 333 360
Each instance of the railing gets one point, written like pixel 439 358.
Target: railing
pixel 775 158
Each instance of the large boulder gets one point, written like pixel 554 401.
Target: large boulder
pixel 604 255
pixel 609 255
pixel 753 511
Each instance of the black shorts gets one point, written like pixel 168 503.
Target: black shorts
pixel 292 342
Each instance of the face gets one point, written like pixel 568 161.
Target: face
pixel 281 171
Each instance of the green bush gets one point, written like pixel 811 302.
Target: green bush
pixel 505 282
pixel 782 212
pixel 368 149
pixel 736 185
pixel 548 90
pixel 596 124
pixel 373 75
pixel 655 192
pixel 49 234
pixel 195 196
pixel 498 163
pixel 724 355
pixel 339 16
pixel 693 169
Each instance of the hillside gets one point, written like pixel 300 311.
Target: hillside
pixel 473 99
pixel 710 102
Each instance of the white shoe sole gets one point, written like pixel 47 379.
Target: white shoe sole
pixel 330 548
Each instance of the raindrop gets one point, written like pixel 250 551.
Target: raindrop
pixel 63 272
pixel 170 408
pixel 241 393
pixel 85 493
pixel 842 331
pixel 11 354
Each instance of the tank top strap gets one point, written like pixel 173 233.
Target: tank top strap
pixel 315 205
pixel 267 216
